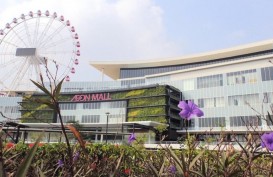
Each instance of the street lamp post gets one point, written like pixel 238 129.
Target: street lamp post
pixel 107 115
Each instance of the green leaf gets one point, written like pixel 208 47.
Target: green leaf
pixel 245 151
pixel 58 89
pixel 118 164
pixel 197 173
pixel 162 167
pixel 42 88
pixel 155 172
pixel 23 168
pixel 2 171
pixel 269 117
pixel 41 173
pixel 196 158
pixel 179 165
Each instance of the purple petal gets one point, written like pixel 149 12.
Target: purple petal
pixel 267 141
pixel 191 105
pixel 172 169
pixel 189 110
pixel 60 163
pixel 262 144
pixel 269 146
pixel 183 105
pixel 185 114
pixel 195 109
pixel 198 112
pixel 131 138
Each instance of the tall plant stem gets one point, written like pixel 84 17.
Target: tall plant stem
pixel 69 151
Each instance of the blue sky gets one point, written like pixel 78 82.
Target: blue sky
pixel 150 29
pixel 197 26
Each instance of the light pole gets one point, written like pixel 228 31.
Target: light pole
pixel 107 115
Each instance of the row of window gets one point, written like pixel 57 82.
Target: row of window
pixel 233 78
pixel 212 122
pixel 9 109
pixel 242 77
pixel 240 100
pixel 67 119
pixel 68 106
pixel 211 102
pixel 94 118
pixel 236 121
pixel 210 81
pixel 94 105
pixel 235 100
pixel 90 118
pixel 267 73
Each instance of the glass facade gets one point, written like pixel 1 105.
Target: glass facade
pixel 210 81
pixel 67 118
pixel 267 73
pixel 9 107
pixel 94 112
pixel 212 122
pixel 242 77
pixel 230 98
pixel 250 121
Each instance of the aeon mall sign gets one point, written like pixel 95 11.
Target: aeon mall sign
pixel 91 97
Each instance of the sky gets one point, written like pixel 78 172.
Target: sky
pixel 122 30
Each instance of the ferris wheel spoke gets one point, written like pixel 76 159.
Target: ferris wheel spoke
pixel 10 53
pixel 48 25
pixel 10 62
pixel 56 52
pixel 55 43
pixel 19 75
pixel 27 32
pixel 36 31
pixel 19 37
pixel 9 43
pixel 6 77
pixel 51 36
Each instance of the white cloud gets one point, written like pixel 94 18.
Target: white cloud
pixel 108 30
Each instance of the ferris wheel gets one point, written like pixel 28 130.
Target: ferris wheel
pixel 34 43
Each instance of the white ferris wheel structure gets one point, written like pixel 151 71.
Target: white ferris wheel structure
pixel 31 42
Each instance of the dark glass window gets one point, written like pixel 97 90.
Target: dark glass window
pixel 212 122
pixel 201 103
pixel 238 121
pixel 269 120
pixel 267 73
pixel 96 105
pixel 210 81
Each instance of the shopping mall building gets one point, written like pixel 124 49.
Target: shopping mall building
pixel 233 87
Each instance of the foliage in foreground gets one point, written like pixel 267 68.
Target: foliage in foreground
pixel 134 160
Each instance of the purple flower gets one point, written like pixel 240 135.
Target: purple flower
pixel 60 163
pixel 76 156
pixel 172 169
pixel 131 138
pixel 189 110
pixel 267 141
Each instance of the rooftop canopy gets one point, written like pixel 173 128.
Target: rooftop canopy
pixel 112 68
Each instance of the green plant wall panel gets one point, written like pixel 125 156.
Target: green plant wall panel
pixel 144 104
